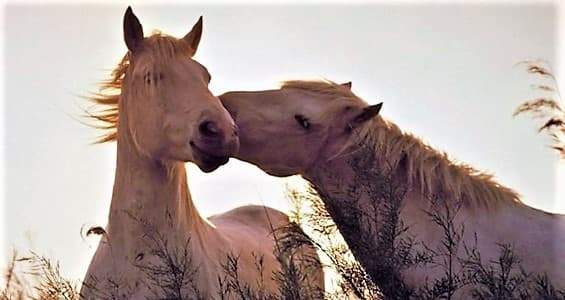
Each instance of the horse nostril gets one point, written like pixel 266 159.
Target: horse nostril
pixel 209 128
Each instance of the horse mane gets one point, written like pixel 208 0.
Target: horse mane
pixel 325 87
pixel 106 101
pixel 434 172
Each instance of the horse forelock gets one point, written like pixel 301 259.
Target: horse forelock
pixel 106 101
pixel 324 87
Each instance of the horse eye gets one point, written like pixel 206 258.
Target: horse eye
pixel 302 121
pixel 147 78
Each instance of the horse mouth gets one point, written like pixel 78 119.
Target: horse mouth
pixel 207 162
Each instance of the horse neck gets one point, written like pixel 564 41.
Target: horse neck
pixel 361 165
pixel 351 195
pixel 352 181
pixel 150 195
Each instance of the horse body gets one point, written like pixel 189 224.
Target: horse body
pixel 535 236
pixel 156 245
pixel 318 128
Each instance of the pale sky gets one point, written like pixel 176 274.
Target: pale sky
pixel 444 72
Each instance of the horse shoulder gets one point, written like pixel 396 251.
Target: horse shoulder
pixel 254 216
pixel 252 227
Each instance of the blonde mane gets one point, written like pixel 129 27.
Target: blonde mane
pixel 106 101
pixel 325 87
pixel 432 171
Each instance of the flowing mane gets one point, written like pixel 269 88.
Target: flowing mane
pixel 325 87
pixel 433 171
pixel 106 101
pixel 426 168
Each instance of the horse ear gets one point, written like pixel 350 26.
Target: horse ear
pixel 368 113
pixel 347 84
pixel 193 37
pixel 133 32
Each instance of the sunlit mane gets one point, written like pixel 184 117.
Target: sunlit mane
pixel 160 48
pixel 432 171
pixel 325 87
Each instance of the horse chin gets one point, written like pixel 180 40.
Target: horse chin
pixel 210 166
pixel 206 161
pixel 280 172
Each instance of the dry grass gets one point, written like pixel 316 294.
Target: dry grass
pixel 548 106
pixel 390 251
pixel 36 277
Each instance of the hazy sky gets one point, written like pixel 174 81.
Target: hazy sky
pixel 445 72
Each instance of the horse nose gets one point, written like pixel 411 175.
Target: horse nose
pixel 209 129
pixel 218 137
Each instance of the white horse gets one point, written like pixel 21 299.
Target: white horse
pixel 156 244
pixel 314 128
